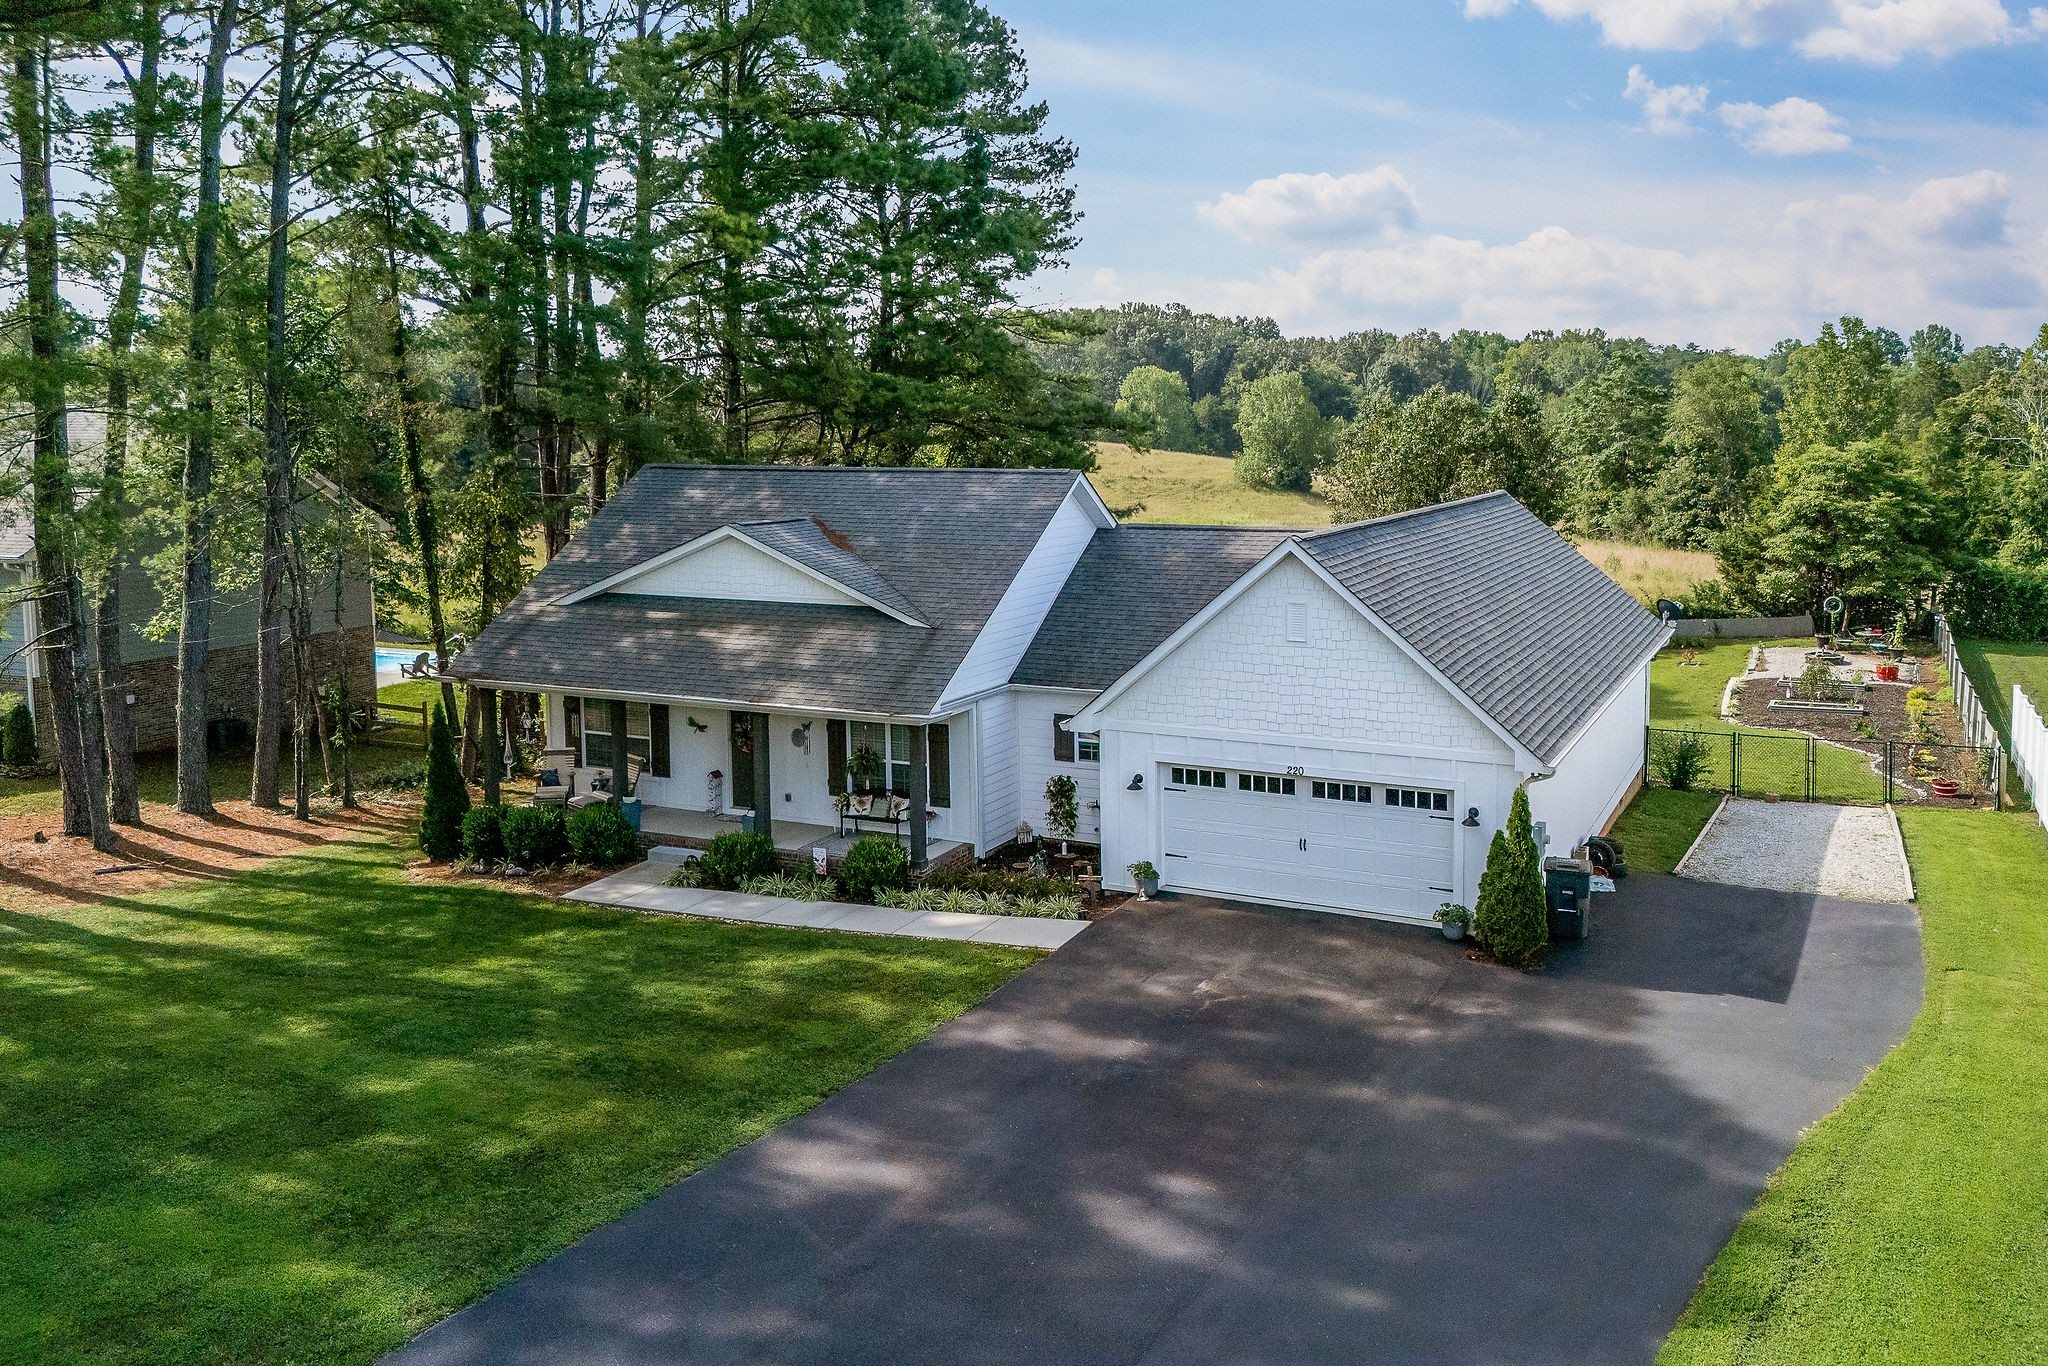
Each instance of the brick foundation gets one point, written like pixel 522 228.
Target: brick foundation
pixel 230 687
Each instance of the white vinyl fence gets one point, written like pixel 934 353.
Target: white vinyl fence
pixel 2030 748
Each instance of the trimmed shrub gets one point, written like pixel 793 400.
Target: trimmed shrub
pixel 447 795
pixel 1679 762
pixel 737 856
pixel 535 836
pixel 18 736
pixel 482 839
pixel 602 836
pixel 876 864
pixel 1511 921
pixel 1995 603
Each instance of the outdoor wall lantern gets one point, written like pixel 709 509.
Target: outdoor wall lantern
pixel 1472 816
pixel 1137 783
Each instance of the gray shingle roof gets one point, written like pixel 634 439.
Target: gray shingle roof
pixel 1134 587
pixel 1503 606
pixel 947 542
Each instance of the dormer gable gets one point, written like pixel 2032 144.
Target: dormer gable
pixel 799 560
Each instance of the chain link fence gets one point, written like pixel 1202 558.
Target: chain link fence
pixel 1802 768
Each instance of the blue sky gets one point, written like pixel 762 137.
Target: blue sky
pixel 1722 171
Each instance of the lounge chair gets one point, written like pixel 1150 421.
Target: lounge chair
pixel 419 668
pixel 561 764
pixel 593 785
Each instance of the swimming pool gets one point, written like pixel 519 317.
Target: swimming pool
pixel 389 657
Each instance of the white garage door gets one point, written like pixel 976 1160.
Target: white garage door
pixel 1310 841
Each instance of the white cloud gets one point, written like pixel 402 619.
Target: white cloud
pixel 1667 109
pixel 1322 208
pixel 1877 31
pixel 1791 127
pixel 1947 249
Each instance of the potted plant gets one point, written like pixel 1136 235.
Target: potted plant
pixel 1146 876
pixel 1455 919
pixel 865 767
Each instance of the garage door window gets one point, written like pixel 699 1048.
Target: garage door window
pixel 1418 800
pixel 1340 792
pixel 1200 777
pixel 1265 782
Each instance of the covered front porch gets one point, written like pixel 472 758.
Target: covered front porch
pixel 706 768
pixel 682 828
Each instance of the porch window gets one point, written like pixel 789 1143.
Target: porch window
pixel 597 736
pixel 892 744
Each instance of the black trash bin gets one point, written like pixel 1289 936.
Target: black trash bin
pixel 1568 891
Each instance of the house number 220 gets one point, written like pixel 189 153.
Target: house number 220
pixel 1296 772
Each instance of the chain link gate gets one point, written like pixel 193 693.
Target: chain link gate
pixel 1802 768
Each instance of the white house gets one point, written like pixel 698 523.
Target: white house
pixel 1335 719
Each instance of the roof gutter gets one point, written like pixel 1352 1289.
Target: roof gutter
pixel 673 700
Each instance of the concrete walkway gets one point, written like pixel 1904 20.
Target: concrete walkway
pixel 1852 852
pixel 640 888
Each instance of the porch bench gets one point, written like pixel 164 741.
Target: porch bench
pixel 895 815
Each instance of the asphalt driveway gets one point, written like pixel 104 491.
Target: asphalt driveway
pixel 1207 1132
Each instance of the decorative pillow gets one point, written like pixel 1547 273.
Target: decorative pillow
pixel 601 782
pixel 549 778
pixel 861 805
pixel 899 807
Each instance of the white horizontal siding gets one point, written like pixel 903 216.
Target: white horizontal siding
pixel 732 570
pixel 1035 709
pixel 995 735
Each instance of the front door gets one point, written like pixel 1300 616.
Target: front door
pixel 740 768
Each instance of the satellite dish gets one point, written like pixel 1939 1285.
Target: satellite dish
pixel 1669 610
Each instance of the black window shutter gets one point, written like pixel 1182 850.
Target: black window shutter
pixel 939 760
pixel 835 756
pixel 657 723
pixel 1062 740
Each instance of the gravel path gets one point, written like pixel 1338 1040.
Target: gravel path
pixel 1843 851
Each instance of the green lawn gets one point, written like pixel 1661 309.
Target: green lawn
pixel 1911 1225
pixel 156 775
pixel 1660 825
pixel 1995 665
pixel 298 1115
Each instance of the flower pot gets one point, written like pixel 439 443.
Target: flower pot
pixel 1945 787
pixel 1148 888
pixel 1454 932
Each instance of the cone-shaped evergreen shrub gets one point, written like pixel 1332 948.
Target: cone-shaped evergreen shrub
pixel 447 796
pixel 1511 922
pixel 18 735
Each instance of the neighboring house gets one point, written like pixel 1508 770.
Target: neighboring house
pixel 150 666
pixel 1334 719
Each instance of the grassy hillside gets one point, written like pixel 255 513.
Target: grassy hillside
pixel 1181 487
pixel 1995 665
pixel 1650 572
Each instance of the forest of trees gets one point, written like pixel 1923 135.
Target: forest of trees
pixel 1860 462
pixel 473 263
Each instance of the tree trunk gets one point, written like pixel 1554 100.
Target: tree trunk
pixel 277 455
pixel 138 196
pixel 195 625
pixel 66 647
pixel 419 493
pixel 490 763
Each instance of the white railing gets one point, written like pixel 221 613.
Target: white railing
pixel 1977 726
pixel 2030 748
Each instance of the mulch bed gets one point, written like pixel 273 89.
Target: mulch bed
pixel 168 849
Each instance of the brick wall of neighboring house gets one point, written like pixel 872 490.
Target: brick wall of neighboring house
pixel 230 687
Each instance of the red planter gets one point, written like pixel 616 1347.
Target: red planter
pixel 1944 787
pixel 1887 673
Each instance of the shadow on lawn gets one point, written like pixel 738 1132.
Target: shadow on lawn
pixel 321 1104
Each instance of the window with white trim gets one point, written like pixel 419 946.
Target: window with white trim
pixel 597 732
pixel 1199 777
pixel 1270 783
pixel 1415 799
